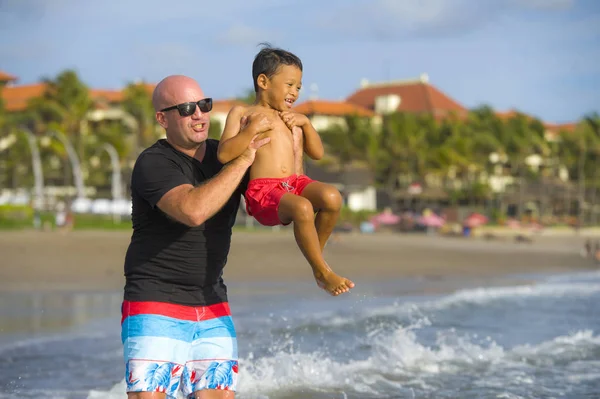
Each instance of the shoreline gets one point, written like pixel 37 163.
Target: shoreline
pixel 93 260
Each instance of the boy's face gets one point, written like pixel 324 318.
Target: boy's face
pixel 284 87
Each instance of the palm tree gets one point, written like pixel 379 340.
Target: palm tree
pixel 525 137
pixel 63 106
pixel 404 150
pixel 138 103
pixel 354 143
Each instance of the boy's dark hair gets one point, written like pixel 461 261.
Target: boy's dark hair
pixel 269 59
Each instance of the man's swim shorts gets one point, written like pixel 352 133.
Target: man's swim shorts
pixel 169 347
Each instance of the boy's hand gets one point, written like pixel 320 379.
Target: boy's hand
pixel 292 119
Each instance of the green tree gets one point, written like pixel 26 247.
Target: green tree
pixel 248 97
pixel 137 102
pixel 215 130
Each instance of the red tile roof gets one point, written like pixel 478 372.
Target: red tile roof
pixel 16 97
pixel 558 127
pixel 415 96
pixel 110 96
pixel 511 113
pixel 5 77
pixel 552 127
pixel 332 108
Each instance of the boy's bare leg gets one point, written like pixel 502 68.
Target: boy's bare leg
pixel 327 201
pixel 297 209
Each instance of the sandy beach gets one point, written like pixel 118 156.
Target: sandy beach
pixel 93 260
pixel 429 315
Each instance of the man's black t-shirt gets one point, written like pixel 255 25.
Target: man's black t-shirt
pixel 168 261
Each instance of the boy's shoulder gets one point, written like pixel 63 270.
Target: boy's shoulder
pixel 239 108
pixel 249 109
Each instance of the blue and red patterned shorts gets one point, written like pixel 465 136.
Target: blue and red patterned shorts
pixel 170 347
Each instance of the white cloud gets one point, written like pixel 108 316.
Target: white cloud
pixel 393 19
pixel 545 4
pixel 245 35
pixel 401 19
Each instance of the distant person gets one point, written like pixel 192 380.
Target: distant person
pixel 587 249
pixel 278 193
pixel 177 330
pixel 60 216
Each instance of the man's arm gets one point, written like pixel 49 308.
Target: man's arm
pixel 235 141
pixel 192 206
pixel 160 182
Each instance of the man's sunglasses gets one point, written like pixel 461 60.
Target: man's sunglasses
pixel 187 109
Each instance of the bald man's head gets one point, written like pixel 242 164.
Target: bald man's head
pixel 173 90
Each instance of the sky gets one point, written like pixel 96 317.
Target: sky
pixel 541 57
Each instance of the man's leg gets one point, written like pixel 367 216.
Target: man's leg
pixel 156 340
pixel 214 394
pixel 213 372
pixel 146 395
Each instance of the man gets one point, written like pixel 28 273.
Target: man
pixel 177 330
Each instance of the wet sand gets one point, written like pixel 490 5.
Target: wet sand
pixel 93 260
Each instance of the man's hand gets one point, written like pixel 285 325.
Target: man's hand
pixel 292 119
pixel 257 122
pixel 249 154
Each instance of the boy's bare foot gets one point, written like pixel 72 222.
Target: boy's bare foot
pixel 333 283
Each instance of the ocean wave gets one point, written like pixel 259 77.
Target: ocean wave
pixel 398 362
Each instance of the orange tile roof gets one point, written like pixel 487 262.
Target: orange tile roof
pixel 557 127
pixel 332 108
pixel 5 77
pixel 111 96
pixel 16 97
pixel 415 96
pixel 149 87
pixel 552 127
pixel 511 113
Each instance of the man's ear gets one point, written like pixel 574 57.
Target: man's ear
pixel 262 81
pixel 162 121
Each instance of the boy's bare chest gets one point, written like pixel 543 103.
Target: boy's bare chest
pixel 280 129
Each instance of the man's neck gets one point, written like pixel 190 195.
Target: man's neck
pixel 197 151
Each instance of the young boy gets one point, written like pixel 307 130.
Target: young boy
pixel 276 194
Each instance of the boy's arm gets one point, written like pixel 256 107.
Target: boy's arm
pixel 313 146
pixel 234 141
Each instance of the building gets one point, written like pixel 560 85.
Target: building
pixel 324 114
pixel 412 95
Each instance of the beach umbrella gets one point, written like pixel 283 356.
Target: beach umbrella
pixel 431 220
pixel 513 224
pixel 386 218
pixel 475 219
